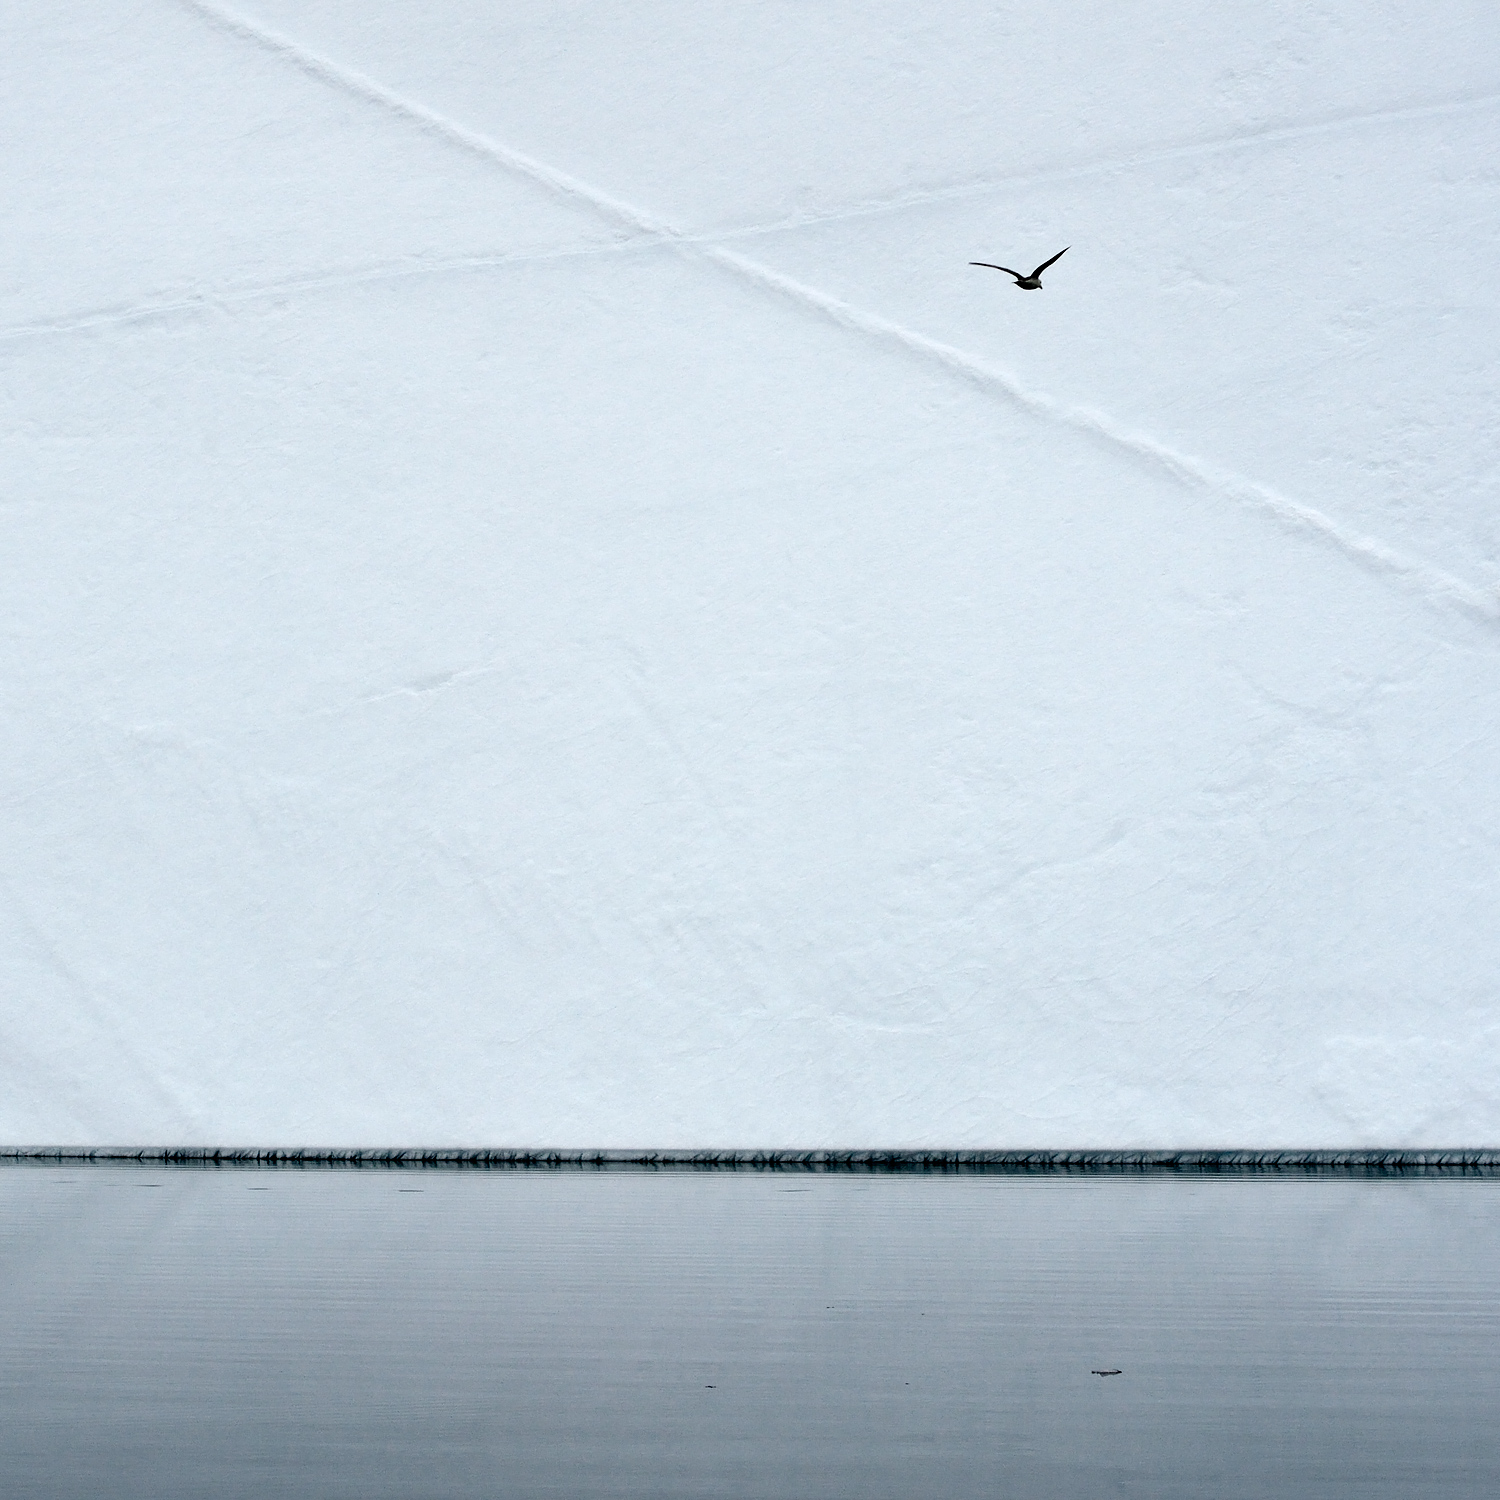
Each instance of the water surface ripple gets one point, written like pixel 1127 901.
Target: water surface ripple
pixel 174 1332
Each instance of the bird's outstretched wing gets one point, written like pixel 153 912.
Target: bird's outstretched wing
pixel 994 267
pixel 1047 263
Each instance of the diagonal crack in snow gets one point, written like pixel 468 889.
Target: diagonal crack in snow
pixel 351 81
pixel 1368 551
pixel 1193 473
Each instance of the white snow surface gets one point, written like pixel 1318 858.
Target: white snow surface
pixel 545 603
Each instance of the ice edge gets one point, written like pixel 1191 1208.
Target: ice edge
pixel 1396 1161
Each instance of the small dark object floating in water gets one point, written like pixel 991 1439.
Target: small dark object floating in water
pixel 1031 283
pixel 1105 1372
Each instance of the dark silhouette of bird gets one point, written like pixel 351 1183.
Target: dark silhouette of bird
pixel 1091 1372
pixel 1032 283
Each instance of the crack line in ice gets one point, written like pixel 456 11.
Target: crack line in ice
pixel 1370 552
pixel 562 184
pixel 1149 156
pixel 328 71
pixel 206 301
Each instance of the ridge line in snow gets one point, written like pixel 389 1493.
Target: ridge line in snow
pixel 350 80
pixel 395 270
pixel 1367 551
pixel 979 187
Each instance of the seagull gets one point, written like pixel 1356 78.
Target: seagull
pixel 1091 1372
pixel 1032 283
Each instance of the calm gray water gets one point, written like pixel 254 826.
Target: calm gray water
pixel 239 1333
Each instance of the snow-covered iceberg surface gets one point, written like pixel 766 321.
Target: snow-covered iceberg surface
pixel 545 603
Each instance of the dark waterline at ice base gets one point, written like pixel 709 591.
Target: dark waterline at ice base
pixel 249 1333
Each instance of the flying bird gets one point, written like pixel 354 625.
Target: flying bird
pixel 1032 283
pixel 1091 1372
